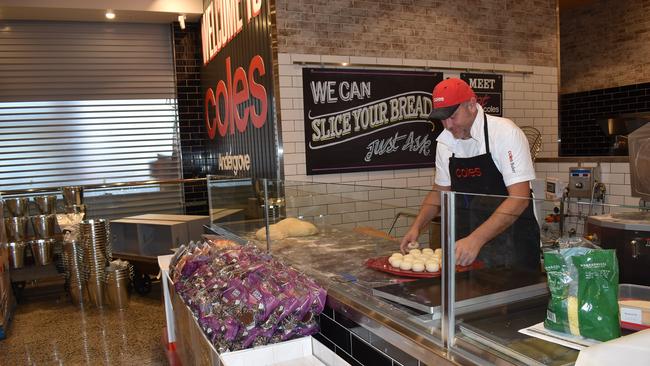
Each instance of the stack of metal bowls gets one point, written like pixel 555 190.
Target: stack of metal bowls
pixel 16 230
pixel 16 254
pixel 44 224
pixel 118 276
pixel 73 262
pixel 45 205
pixel 73 199
pixel 17 207
pixel 44 242
pixel 95 239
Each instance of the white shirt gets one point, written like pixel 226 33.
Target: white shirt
pixel 508 147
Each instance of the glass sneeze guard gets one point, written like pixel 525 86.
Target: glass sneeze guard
pixel 475 315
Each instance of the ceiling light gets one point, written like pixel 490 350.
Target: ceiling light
pixel 110 14
pixel 181 20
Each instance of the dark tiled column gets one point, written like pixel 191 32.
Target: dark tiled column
pixel 187 49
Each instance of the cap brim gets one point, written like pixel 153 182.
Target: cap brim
pixel 443 113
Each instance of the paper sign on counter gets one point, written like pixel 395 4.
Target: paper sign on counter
pixel 631 315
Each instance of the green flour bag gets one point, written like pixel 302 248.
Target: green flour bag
pixel 584 292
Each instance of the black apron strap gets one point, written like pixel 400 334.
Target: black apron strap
pixel 486 134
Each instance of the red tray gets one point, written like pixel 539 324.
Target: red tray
pixel 381 264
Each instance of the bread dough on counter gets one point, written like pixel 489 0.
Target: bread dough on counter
pixel 289 227
pixel 296 227
pixel 277 233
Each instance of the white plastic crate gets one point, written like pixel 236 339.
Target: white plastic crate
pixel 306 351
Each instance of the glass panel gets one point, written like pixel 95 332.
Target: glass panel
pixel 506 289
pixel 359 228
pixel 112 202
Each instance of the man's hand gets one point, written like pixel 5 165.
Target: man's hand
pixel 505 215
pixel 411 235
pixel 467 250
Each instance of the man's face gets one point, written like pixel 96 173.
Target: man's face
pixel 460 123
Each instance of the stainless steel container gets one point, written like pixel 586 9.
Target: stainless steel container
pixel 117 288
pixel 16 229
pixel 75 272
pixel 97 255
pixel 17 206
pixel 44 226
pixel 78 294
pixel 17 254
pixel 629 234
pixel 73 195
pixel 45 205
pixel 42 250
pixel 96 285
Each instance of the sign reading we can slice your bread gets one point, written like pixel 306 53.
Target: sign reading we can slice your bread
pixel 363 120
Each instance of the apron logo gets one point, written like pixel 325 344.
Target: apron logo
pixel 512 163
pixel 468 172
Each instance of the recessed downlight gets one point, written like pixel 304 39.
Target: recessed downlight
pixel 110 14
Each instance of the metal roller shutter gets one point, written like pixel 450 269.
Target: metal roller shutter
pixel 87 103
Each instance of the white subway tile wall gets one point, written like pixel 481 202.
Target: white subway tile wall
pixel 350 205
pixel 529 99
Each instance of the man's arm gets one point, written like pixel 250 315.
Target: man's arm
pixel 430 208
pixel 506 214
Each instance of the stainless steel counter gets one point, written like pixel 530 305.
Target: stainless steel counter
pixel 335 258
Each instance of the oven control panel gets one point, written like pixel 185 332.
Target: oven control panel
pixel 582 181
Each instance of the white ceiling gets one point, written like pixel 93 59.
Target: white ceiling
pixel 132 11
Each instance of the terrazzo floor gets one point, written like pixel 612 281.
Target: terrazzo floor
pixel 51 331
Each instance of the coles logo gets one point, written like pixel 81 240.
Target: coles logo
pixel 240 87
pixel 468 172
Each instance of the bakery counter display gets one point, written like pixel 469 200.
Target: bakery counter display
pixel 374 288
pixel 392 302
pixel 335 257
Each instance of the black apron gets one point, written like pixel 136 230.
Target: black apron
pixel 518 245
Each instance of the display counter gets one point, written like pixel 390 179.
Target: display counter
pixel 335 258
pixel 375 317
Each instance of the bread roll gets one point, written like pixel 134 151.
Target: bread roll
pixel 432 266
pixel 418 267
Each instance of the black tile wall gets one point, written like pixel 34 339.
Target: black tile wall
pixel 327 310
pixel 395 353
pixel 352 326
pixel 370 356
pixel 335 332
pixel 326 342
pixel 579 131
pixel 357 345
pixel 187 52
pixel 349 359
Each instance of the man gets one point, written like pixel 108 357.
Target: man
pixel 485 155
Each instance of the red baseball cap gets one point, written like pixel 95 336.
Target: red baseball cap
pixel 447 96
